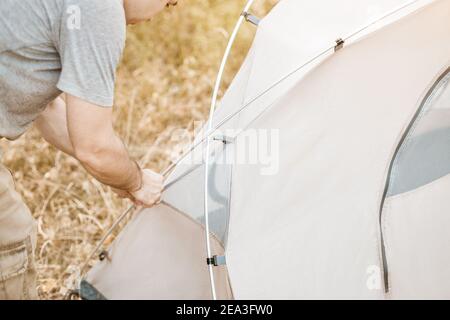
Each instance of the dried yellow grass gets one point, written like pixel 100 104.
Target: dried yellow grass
pixel 164 83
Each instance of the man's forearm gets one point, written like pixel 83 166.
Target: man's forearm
pixel 97 147
pixel 110 164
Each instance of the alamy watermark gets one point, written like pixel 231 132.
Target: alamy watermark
pixel 374 278
pixel 74 18
pixel 257 147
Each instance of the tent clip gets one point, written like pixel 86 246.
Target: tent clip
pixel 104 255
pixel 251 18
pixel 216 261
pixel 339 44
pixel 224 139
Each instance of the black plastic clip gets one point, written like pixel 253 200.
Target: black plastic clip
pixel 103 255
pixel 224 139
pixel 216 261
pixel 339 44
pixel 251 18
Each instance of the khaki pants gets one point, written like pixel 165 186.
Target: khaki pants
pixel 17 243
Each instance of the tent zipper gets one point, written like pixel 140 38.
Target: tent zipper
pixel 383 200
pixel 386 188
pixel 388 179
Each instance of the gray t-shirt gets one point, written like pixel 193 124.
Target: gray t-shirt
pixel 53 46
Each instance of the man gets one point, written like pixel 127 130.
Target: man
pixel 70 47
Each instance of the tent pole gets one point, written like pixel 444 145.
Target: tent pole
pixel 207 151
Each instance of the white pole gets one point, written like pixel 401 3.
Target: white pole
pixel 207 151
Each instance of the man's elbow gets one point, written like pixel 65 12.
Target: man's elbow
pixel 90 155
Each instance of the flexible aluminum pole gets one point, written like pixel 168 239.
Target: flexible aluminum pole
pixel 207 151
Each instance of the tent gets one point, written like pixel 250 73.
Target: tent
pixel 350 102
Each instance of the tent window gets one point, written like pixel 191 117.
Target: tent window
pixel 219 192
pixel 424 155
pixel 187 193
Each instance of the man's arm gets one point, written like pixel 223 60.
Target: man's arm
pixel 52 124
pixel 85 131
pixel 97 147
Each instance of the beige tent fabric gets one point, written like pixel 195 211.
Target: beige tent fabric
pixel 317 234
pixel 292 34
pixel 302 29
pixel 159 255
pixel 417 226
pixel 314 25
pixel 296 31
pixel 313 229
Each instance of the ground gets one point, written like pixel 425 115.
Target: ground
pixel 163 84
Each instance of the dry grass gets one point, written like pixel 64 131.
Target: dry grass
pixel 164 83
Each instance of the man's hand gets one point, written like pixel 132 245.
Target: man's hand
pixel 150 192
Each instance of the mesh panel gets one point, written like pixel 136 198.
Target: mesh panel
pixel 187 193
pixel 425 153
